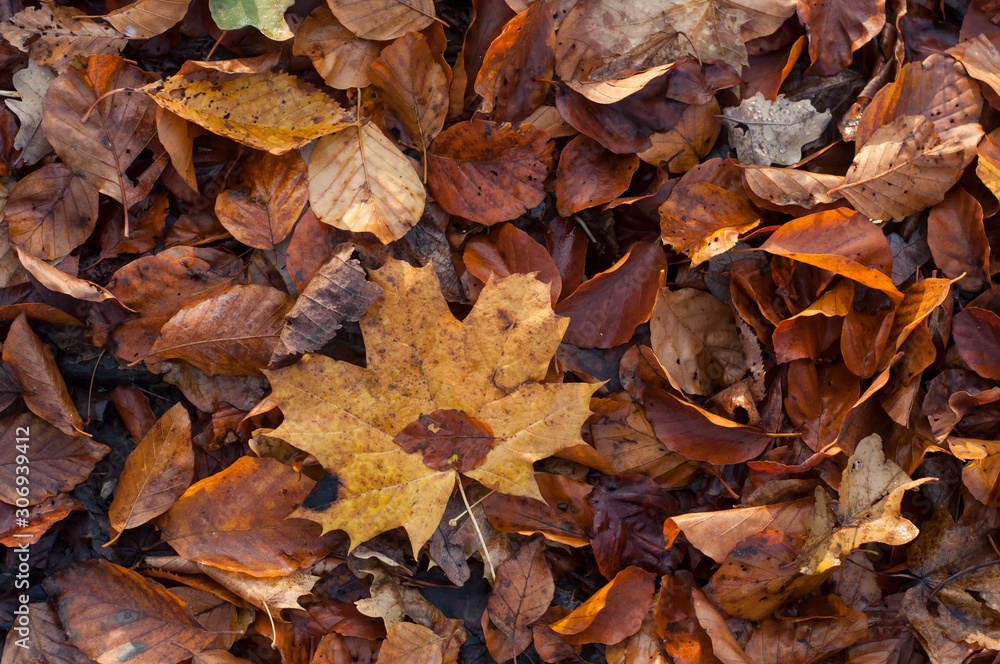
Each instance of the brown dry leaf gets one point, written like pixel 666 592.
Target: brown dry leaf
pixel 35 367
pixel 818 399
pixel 267 111
pixel 982 474
pixel 45 638
pixel 623 435
pixel 151 625
pixel 683 638
pixel 267 201
pixel 716 533
pixel 158 287
pixel 806 638
pixel 956 239
pixel 599 319
pixel 589 174
pixel 937 88
pixel 963 612
pixel 613 613
pixel 694 336
pixel 489 173
pixel 905 167
pixel 383 19
pixel 156 473
pixel 775 132
pixel 703 220
pixel 516 73
pixel 360 182
pixel 341 58
pixel 115 132
pixel 837 30
pixel 56 280
pixel 507 251
pixel 232 334
pixel 523 591
pixel 177 137
pixel 789 186
pixel 51 212
pixel 414 85
pixel 981 59
pixel 58 461
pixel 871 491
pixel 758 576
pixel 32 82
pixel 210 524
pixel 338 292
pixel 40 518
pixel 143 19
pixel 644 646
pixel 268 592
pixel 841 241
pixel 427 372
pixel 988 164
pixel 54 35
pixel 724 646
pixel 687 143
pixel 976 333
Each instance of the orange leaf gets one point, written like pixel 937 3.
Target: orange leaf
pixel 612 613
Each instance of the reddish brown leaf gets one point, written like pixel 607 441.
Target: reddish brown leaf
pixel 209 523
pixel 837 29
pixel 605 310
pixel 45 392
pixel 151 624
pixel 613 612
pixel 589 175
pixel 818 399
pixel 268 200
pixel 684 639
pixel 487 172
pixel 232 334
pixel 523 591
pixel 957 239
pixel 58 462
pixel 629 513
pixel 976 333
pixel 51 212
pixel 509 250
pixel 156 473
pixel 516 73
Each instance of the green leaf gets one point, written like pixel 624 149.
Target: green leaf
pixel 266 15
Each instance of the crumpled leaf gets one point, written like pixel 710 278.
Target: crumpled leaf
pixel 268 16
pixel 871 491
pixel 32 82
pixel 427 372
pixel 837 29
pixel 765 132
pixel 272 112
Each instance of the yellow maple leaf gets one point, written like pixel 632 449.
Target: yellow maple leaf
pixel 438 398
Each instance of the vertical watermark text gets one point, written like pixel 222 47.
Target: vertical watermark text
pixel 22 624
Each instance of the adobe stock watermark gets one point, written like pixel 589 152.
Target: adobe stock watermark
pixel 22 625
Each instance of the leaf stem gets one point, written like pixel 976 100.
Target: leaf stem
pixel 482 540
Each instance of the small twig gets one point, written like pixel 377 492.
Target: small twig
pixel 90 391
pixel 961 573
pixel 454 522
pixel 216 45
pixel 586 229
pixel 482 540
